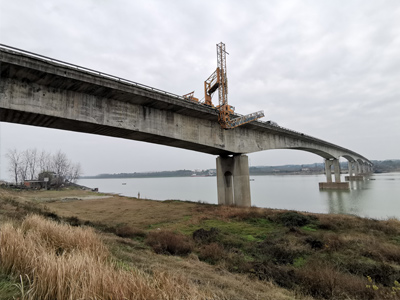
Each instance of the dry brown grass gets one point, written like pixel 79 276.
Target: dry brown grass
pixel 215 279
pixel 168 242
pixel 325 282
pixel 212 253
pixel 82 270
pixel 136 213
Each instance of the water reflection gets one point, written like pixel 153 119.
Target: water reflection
pixel 348 201
pixel 335 201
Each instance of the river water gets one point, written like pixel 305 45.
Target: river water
pixel 378 196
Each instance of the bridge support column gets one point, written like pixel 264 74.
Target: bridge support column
pixel 353 170
pixel 328 168
pixel 233 180
pixel 336 168
pixel 337 185
pixel 358 168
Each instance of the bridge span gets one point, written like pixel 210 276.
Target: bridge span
pixel 40 91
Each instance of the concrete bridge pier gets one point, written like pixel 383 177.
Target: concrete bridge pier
pixel 233 180
pixel 329 185
pixel 353 172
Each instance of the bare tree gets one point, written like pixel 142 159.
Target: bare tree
pixel 74 172
pixel 61 166
pixel 23 167
pixel 31 164
pixel 15 160
pixel 31 159
pixel 44 161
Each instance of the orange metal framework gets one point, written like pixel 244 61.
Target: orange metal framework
pixel 219 80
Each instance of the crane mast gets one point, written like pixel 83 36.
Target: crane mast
pixel 219 80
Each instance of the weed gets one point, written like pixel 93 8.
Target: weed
pixel 206 236
pixel 282 251
pixel 168 242
pixel 73 221
pixel 314 243
pixel 284 276
pixel 212 253
pixel 82 271
pixel 294 219
pixel 8 289
pixel 310 227
pixel 129 232
pixel 324 281
pixel 299 262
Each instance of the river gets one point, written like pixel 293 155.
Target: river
pixel 378 196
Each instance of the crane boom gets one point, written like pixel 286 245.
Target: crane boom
pixel 219 80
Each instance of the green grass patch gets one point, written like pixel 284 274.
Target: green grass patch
pixel 245 230
pixel 8 288
pixel 310 227
pixel 299 262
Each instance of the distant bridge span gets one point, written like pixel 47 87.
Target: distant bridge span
pixel 40 91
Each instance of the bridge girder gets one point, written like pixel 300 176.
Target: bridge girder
pixel 39 92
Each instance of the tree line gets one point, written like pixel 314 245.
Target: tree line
pixel 32 164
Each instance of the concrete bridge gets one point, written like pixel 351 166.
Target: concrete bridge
pixel 40 91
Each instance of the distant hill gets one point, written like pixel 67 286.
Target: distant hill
pixel 385 166
pixel 316 168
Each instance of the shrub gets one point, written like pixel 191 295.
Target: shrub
pixel 381 273
pixel 314 243
pixel 168 242
pixel 129 232
pixel 333 242
pixel 284 276
pixel 389 227
pixel 324 281
pixel 282 251
pixel 206 236
pixel 212 253
pixel 293 219
pixel 73 221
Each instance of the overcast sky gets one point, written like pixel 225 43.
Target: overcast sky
pixel 330 69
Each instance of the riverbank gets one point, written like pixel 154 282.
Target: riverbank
pixel 230 252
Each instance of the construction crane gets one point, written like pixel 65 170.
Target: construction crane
pixel 218 80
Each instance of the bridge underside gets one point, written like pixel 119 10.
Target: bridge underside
pixel 33 119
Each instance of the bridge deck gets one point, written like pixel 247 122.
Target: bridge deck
pixel 39 71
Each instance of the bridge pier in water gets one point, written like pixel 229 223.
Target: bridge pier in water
pixel 354 172
pixel 233 180
pixel 329 184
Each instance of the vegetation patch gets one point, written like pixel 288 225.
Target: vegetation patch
pixel 168 242
pixel 312 256
pixel 49 255
pixel 294 219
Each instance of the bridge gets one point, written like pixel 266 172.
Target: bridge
pixel 41 91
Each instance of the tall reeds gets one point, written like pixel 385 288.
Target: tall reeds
pixel 62 262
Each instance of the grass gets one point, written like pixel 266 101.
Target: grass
pixel 8 287
pixel 230 252
pixel 62 262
